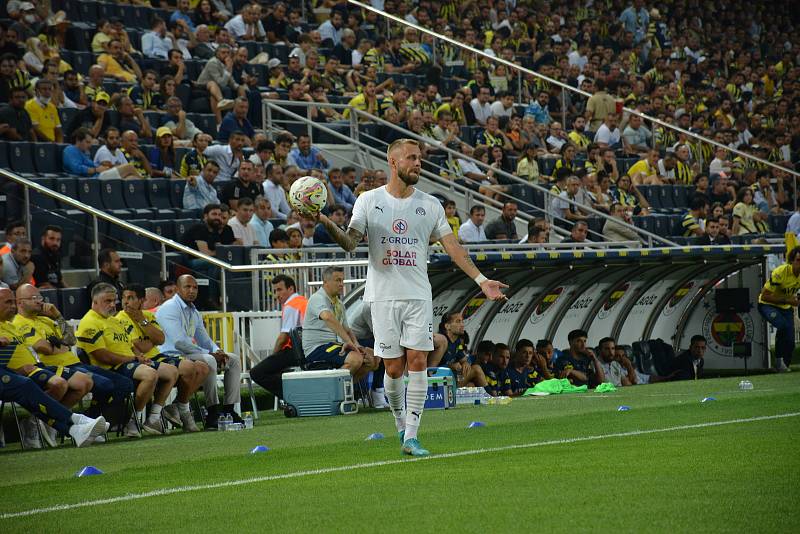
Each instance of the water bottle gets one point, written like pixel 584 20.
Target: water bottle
pixel 231 426
pixel 248 420
pixel 223 422
pixel 745 385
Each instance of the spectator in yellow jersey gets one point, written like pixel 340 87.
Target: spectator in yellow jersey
pixel 44 115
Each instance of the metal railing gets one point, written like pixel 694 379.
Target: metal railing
pixel 567 87
pixel 272 107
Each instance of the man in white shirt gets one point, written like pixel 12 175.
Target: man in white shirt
pixel 229 156
pixel 481 106
pixel 332 28
pixel 720 162
pixel 243 231
pixel 273 191
pixel 504 105
pixel 261 220
pixel 111 153
pixel 608 135
pixel 472 231
pixel 157 42
pixel 245 26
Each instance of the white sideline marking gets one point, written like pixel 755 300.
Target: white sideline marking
pixel 326 470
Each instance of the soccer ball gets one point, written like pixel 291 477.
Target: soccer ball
pixel 308 195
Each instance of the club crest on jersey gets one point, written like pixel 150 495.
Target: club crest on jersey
pixel 421 212
pixel 400 226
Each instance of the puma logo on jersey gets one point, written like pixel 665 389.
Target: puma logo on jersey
pixel 379 208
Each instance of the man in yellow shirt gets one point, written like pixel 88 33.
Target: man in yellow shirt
pixel 64 385
pixel 367 101
pixel 43 113
pixel 42 328
pixel 147 335
pixel 104 338
pixel 119 64
pixel 645 171
pixel 776 304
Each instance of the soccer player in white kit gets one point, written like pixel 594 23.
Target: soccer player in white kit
pixel 400 221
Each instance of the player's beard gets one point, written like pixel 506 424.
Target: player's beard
pixel 408 178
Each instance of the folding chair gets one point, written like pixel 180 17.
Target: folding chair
pixel 19 427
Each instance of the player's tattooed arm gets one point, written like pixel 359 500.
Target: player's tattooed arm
pixel 348 240
pixel 459 255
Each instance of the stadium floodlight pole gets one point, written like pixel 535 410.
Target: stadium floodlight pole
pixel 568 87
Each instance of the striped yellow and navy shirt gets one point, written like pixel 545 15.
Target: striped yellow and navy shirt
pixel 782 282
pixel 40 328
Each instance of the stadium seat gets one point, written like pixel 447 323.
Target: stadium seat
pixel 777 223
pixel 546 166
pixel 74 302
pixel 106 10
pixel 165 228
pixel 4 155
pixel 662 225
pixel 327 138
pixel 525 195
pixel 135 195
pixel 676 225
pixel 20 155
pixel 42 201
pixel 182 226
pixel 595 228
pixel 665 197
pixel 82 61
pixel 680 196
pixel 158 192
pixel 67 186
pixel 111 194
pixel 205 122
pixel 87 12
pixel 649 193
pixel 51 296
pixel 47 157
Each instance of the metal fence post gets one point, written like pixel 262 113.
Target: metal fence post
pixel 223 291
pixel 164 272
pixel 96 246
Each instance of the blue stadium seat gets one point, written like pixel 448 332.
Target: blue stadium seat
pixel 279 51
pixel 134 194
pixel 777 223
pixel 662 225
pixel 20 155
pixel 665 197
pixel 81 61
pixel 41 201
pixel 525 196
pixel 652 198
pixel 233 254
pixel 67 186
pixel 369 131
pixel 106 10
pixel 51 296
pixel 325 137
pixel 158 192
pixel 87 12
pixel 165 228
pixel 112 195
pixel 596 226
pixel 4 155
pixel 89 192
pixel 74 302
pixel 546 166
pixel 681 195
pixel 205 122
pixel 182 226
pixel 47 157
pixel 676 224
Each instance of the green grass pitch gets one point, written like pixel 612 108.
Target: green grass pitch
pixel 553 464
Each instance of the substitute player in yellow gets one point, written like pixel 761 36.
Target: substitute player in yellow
pixel 776 304
pixel 108 344
pixel 399 221
pixel 146 335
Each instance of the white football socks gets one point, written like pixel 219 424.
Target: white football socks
pixel 396 393
pixel 415 401
pixel 183 407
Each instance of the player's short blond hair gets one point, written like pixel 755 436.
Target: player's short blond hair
pixel 400 142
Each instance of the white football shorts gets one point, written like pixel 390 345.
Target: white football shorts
pixel 402 324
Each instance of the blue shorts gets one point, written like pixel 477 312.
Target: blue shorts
pixel 329 352
pixel 172 359
pixel 367 342
pixel 43 373
pixel 127 369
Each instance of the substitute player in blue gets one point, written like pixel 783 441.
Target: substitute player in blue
pixel 399 222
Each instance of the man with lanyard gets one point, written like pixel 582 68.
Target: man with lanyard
pixel 146 336
pixel 44 330
pixel 185 334
pixel 267 373
pixel 229 156
pixel 776 304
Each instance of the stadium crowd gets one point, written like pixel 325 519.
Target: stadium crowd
pixel 175 93
pixel 152 78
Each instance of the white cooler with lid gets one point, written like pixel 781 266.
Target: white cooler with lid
pixel 325 392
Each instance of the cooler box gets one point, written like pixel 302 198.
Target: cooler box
pixel 327 392
pixel 441 389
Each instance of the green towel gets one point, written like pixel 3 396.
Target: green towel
pixel 554 386
pixel 606 387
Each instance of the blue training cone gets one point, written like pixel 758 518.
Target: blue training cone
pixel 623 408
pixel 88 471
pixel 259 448
pixel 708 399
pixel 376 435
pixel 476 424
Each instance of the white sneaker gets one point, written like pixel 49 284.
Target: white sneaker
pixel 153 426
pixel 102 438
pixel 225 104
pixel 30 435
pixel 49 433
pixel 781 366
pixel 131 430
pixel 172 414
pixel 378 398
pixel 188 422
pixel 85 433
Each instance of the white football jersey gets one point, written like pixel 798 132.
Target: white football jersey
pixel 398 230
